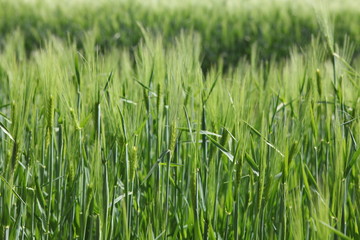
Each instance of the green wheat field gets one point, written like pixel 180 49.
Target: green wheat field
pixel 208 119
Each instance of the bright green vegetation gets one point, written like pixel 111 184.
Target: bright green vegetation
pixel 144 142
pixel 228 28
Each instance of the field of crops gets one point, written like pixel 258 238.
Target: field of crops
pixel 187 119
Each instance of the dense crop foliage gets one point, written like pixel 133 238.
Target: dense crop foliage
pixel 134 140
pixel 228 28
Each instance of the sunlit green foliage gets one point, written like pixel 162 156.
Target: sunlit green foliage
pixel 145 142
